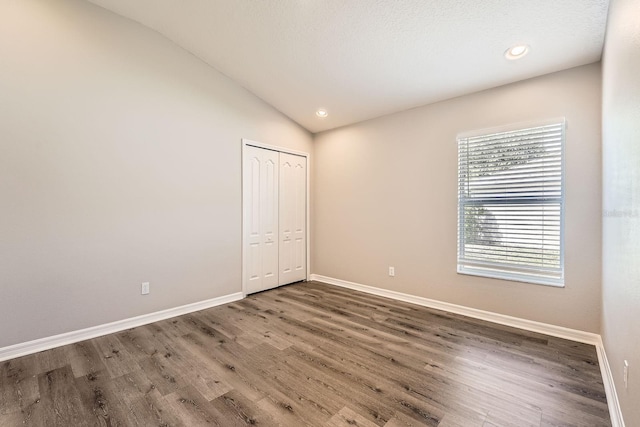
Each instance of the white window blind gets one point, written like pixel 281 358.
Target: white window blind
pixel 510 203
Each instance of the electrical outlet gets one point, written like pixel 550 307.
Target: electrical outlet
pixel 392 271
pixel 145 288
pixel 626 374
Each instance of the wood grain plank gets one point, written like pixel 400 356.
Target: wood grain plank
pixel 83 358
pixel 99 395
pixel 114 355
pixel 18 386
pixel 60 403
pixel 194 410
pixel 347 418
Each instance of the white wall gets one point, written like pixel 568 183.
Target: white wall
pixel 386 195
pixel 621 202
pixel 120 161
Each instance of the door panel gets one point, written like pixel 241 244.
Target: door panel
pixel 269 212
pixel 300 220
pixel 260 198
pixel 293 214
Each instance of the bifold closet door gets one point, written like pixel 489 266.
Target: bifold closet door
pixel 260 199
pixel 293 218
pixel 275 218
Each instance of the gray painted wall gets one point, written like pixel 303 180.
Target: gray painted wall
pixel 386 195
pixel 120 162
pixel 621 202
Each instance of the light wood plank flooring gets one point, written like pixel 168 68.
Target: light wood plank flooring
pixel 309 354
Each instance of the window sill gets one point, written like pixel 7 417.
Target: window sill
pixel 513 277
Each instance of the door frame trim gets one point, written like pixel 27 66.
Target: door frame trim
pixel 245 143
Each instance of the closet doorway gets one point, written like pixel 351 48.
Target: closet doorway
pixel 275 216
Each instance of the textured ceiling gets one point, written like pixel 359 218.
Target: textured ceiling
pixel 361 59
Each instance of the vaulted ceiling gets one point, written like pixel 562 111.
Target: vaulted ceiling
pixel 361 59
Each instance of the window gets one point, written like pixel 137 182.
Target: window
pixel 511 203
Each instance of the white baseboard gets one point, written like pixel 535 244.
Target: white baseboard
pixel 30 347
pixel 516 322
pixel 609 387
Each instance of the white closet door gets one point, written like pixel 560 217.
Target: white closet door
pixel 293 218
pixel 260 194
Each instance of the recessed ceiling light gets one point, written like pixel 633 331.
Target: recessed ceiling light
pixel 322 113
pixel 517 51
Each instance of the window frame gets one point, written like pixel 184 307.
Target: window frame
pixel 497 270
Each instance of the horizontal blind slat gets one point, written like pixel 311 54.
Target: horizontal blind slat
pixel 479 161
pixel 501 136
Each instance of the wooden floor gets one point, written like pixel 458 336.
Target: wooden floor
pixel 309 354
